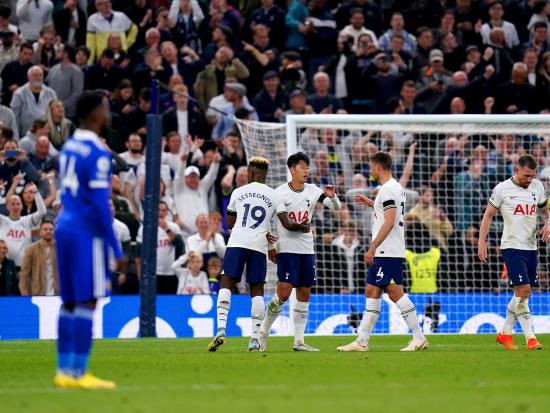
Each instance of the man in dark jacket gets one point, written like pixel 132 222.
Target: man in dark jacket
pixel 271 102
pixel 14 73
pixel 71 28
pixel 182 118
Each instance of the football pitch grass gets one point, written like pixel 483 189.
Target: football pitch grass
pixel 458 374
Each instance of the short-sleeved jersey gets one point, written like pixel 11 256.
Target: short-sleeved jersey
pixel 518 207
pixel 300 205
pixel 254 205
pixel 18 234
pixel 390 195
pixel 85 177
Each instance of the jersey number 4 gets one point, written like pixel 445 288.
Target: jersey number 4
pixel 67 174
pixel 257 214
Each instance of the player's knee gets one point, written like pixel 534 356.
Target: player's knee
pixel 523 291
pixel 283 291
pixel 373 291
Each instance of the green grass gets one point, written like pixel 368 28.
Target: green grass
pixel 458 374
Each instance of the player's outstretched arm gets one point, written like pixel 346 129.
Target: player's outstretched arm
pixel 490 212
pixel 364 200
pixel 330 199
pixel 304 226
pixel 385 229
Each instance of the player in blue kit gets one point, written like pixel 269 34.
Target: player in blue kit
pixel 84 236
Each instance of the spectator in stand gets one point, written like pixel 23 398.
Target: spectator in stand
pixel 517 95
pixel 402 58
pixel 45 54
pixel 31 100
pixel 424 44
pixel 501 58
pixel 207 241
pixel 348 243
pixel 33 15
pixel 81 58
pixel 541 10
pixel 16 171
pixel 169 246
pixel 17 230
pixel 221 37
pixel 104 74
pixel 357 66
pixel 191 280
pixel 122 58
pixel 188 67
pixel 468 22
pixel 7 118
pixel 60 126
pixel 408 97
pixel 433 81
pixel 321 100
pixel 458 106
pixel 296 25
pixel 259 58
pixel 530 58
pixel 70 23
pixel 137 118
pixel 41 158
pixel 357 27
pixel 336 68
pixel 432 217
pixel 236 103
pixel 150 69
pixel 496 13
pixel 210 82
pixel 14 74
pixel 122 281
pixel 384 83
pixel 397 25
pixel 104 22
pixel 540 40
pixel 453 54
pixel 39 127
pixel 183 118
pixel 271 101
pixel 38 275
pixel 185 17
pixel 321 36
pixel 141 14
pixel 123 101
pixel 297 103
pixel 191 192
pixel 66 79
pixel 273 17
pixel 374 19
pixel 8 273
pixel 27 196
pixel 291 73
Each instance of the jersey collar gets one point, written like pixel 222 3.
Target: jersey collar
pixel 514 182
pixel 294 189
pixel 88 135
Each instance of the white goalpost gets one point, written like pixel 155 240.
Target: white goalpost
pixel 448 166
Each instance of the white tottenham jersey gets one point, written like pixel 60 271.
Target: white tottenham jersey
pixel 518 207
pixel 18 234
pixel 300 205
pixel 254 204
pixel 390 195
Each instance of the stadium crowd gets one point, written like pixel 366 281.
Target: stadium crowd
pixel 261 60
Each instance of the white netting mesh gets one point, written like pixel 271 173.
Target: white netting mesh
pixel 448 170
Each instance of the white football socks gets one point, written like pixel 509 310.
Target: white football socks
pixel 511 317
pixel 408 312
pixel 273 311
pixel 370 317
pixel 299 317
pixel 524 317
pixel 257 315
pixel 223 306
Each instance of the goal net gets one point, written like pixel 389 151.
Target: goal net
pixel 448 166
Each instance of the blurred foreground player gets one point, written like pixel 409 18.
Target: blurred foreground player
pixel 84 236
pixel 518 200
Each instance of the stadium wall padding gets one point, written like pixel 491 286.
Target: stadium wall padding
pixel 194 316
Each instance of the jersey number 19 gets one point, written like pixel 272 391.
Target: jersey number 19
pixel 257 213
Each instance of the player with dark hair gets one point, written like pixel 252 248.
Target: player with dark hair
pixel 385 257
pixel 295 253
pixel 518 200
pixel 250 209
pixel 84 237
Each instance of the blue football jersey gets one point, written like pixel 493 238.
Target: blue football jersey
pixel 85 176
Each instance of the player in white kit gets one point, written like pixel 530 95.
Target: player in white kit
pixel 385 257
pixel 250 209
pixel 295 254
pixel 518 199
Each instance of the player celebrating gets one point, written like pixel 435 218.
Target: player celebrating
pixel 84 235
pixel 385 257
pixel 296 256
pixel 517 199
pixel 250 209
